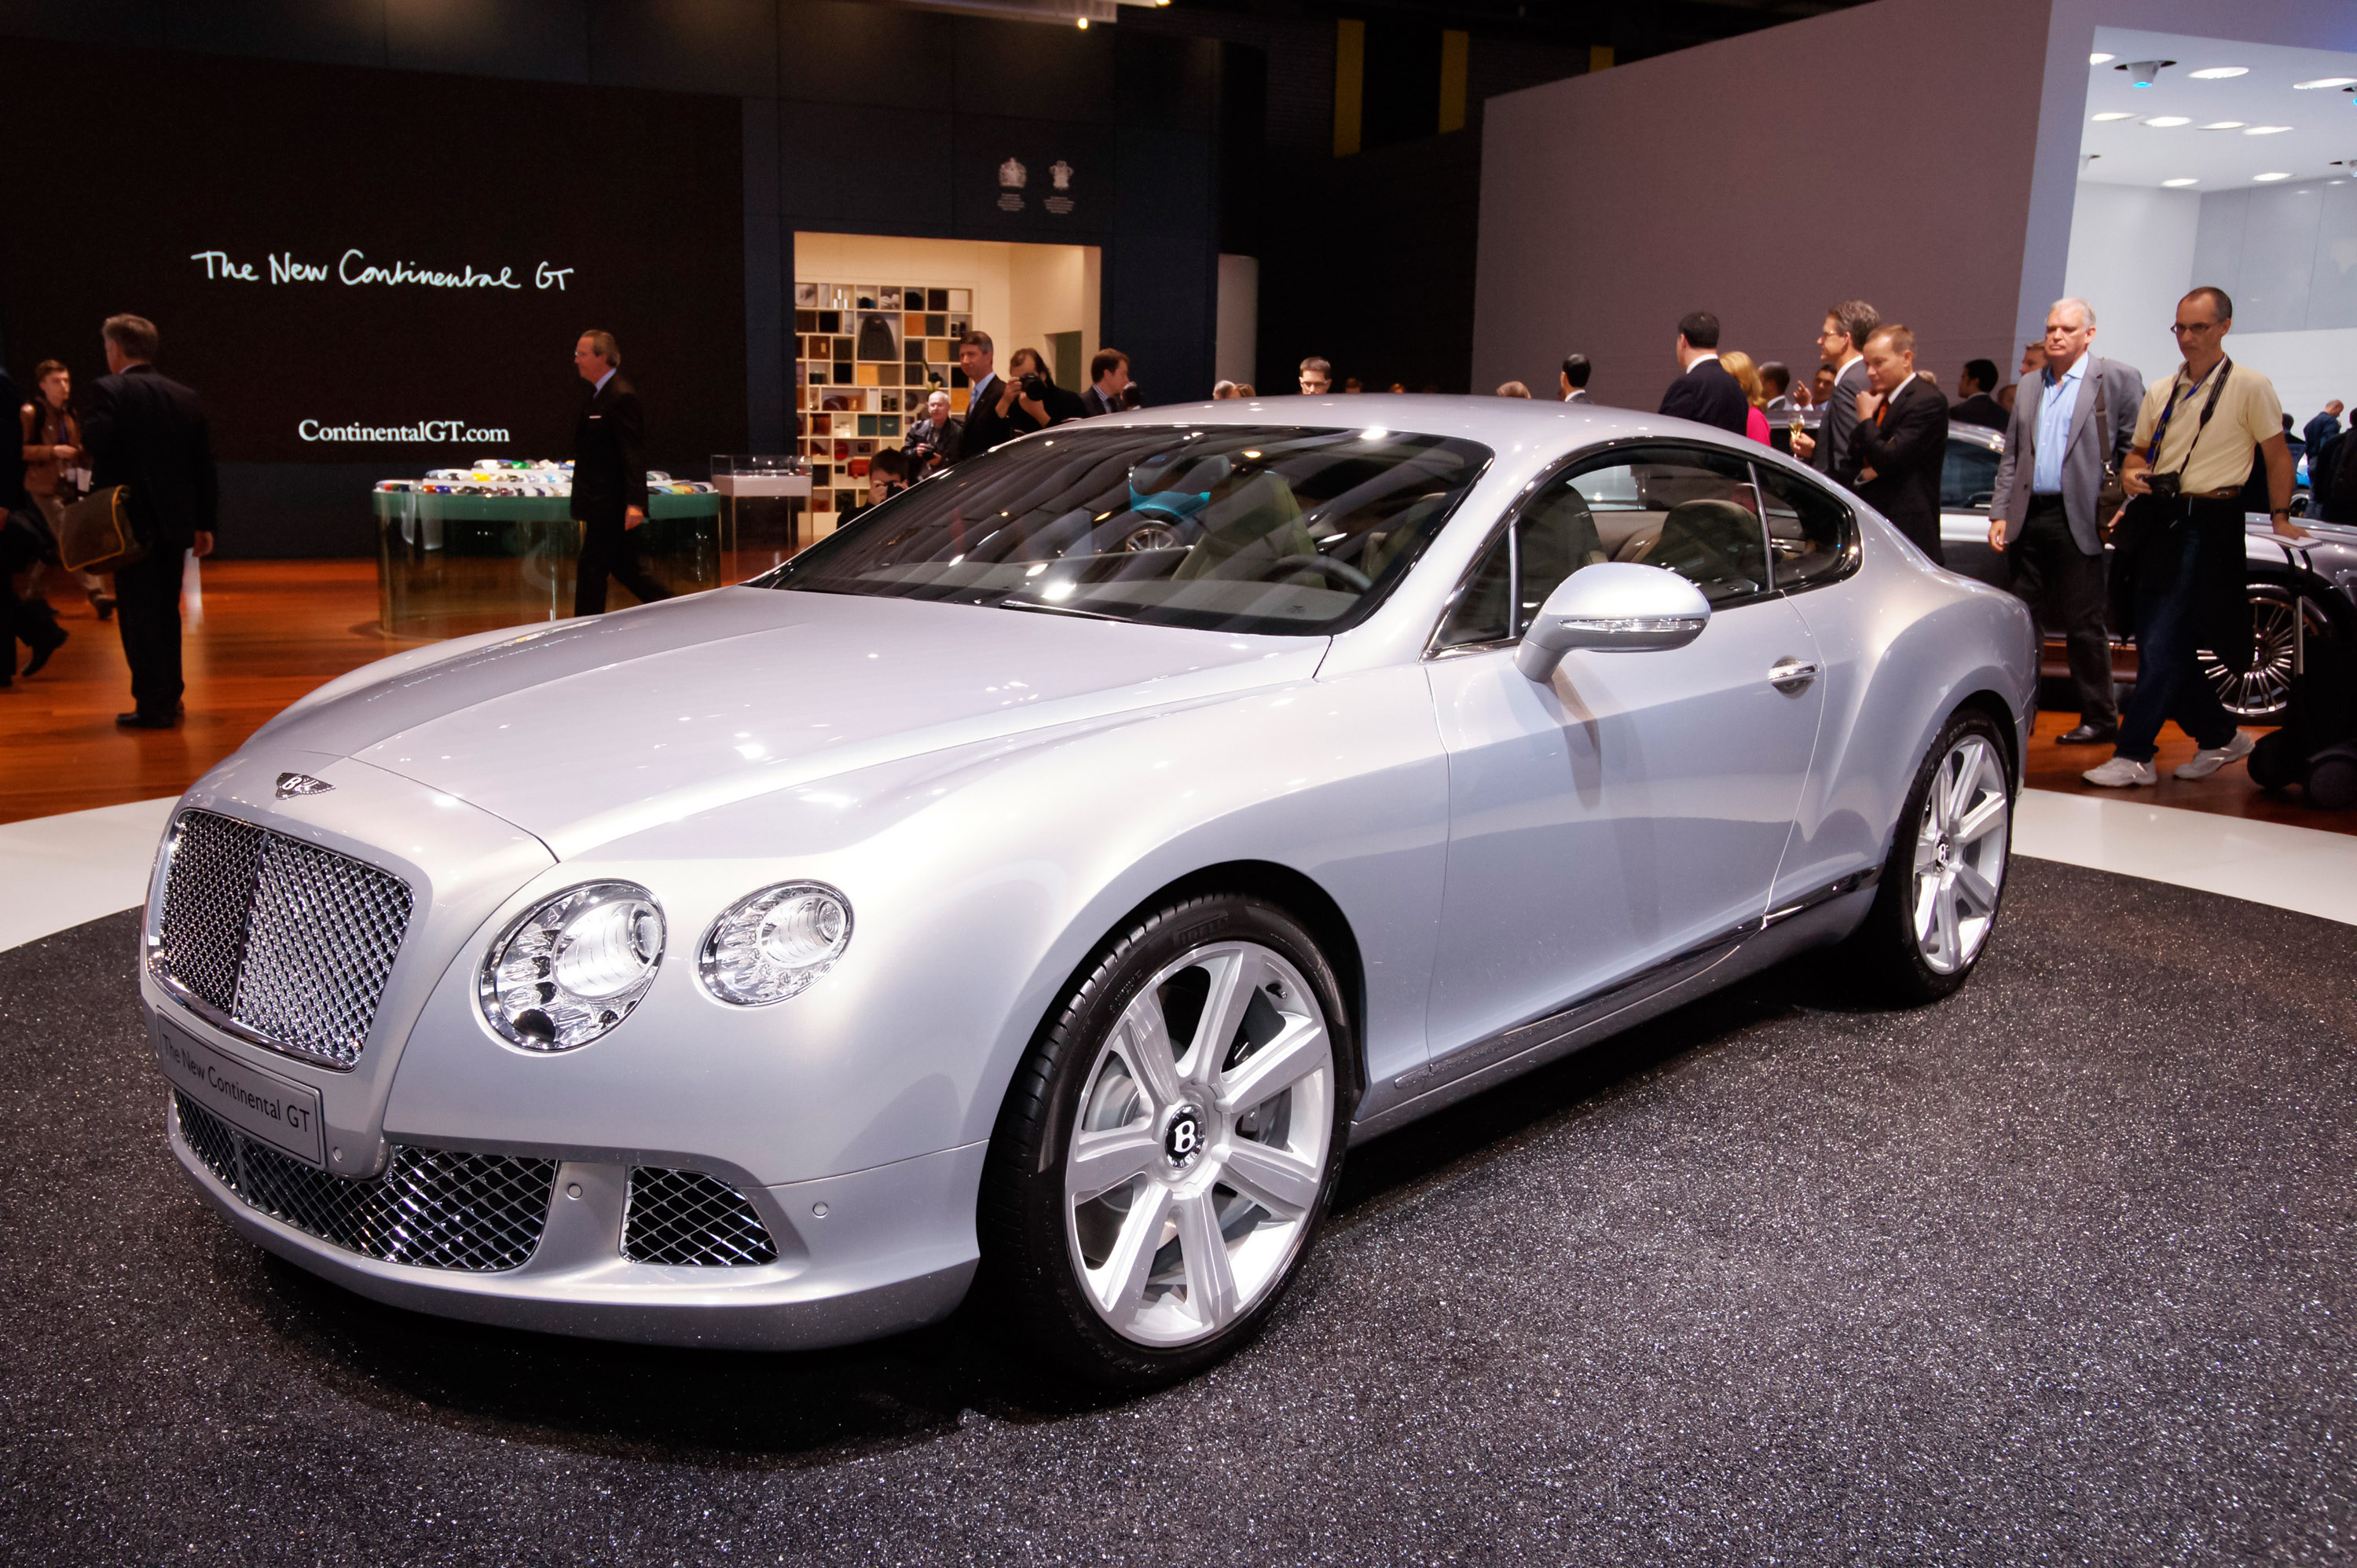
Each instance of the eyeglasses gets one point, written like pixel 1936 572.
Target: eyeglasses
pixel 2182 328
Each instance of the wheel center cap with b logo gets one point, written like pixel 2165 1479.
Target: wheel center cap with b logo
pixel 1182 1137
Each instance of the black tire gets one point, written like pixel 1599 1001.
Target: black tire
pixel 2271 763
pixel 2332 780
pixel 1029 1275
pixel 1884 954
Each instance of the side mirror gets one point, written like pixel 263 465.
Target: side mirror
pixel 1614 606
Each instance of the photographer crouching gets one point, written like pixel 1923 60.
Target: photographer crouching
pixel 2178 561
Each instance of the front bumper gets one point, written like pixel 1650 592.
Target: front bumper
pixel 858 1256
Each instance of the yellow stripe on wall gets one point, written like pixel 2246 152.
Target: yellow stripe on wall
pixel 1454 47
pixel 1350 84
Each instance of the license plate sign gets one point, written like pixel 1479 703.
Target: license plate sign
pixel 277 1111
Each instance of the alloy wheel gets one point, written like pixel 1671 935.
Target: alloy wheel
pixel 1200 1145
pixel 1959 854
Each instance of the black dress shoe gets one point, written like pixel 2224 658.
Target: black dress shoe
pixel 42 653
pixel 2088 735
pixel 143 720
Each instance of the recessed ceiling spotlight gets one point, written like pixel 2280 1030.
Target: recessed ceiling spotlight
pixel 2100 58
pixel 2266 130
pixel 2114 115
pixel 2224 126
pixel 2270 176
pixel 2323 81
pixel 2219 72
pixel 2179 183
pixel 2166 121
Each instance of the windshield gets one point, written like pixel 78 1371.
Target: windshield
pixel 1226 528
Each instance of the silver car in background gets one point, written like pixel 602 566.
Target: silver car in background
pixel 2314 579
pixel 1050 876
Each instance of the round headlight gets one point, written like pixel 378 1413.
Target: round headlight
pixel 771 945
pixel 573 967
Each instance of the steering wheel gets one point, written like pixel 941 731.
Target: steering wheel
pixel 1342 571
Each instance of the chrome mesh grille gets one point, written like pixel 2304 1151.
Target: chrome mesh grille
pixel 691 1218
pixel 432 1209
pixel 290 943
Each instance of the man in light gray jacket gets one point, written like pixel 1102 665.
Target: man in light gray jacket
pixel 2044 515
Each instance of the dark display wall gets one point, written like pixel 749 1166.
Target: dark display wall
pixel 359 266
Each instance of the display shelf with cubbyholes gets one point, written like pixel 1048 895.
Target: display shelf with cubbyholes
pixel 867 356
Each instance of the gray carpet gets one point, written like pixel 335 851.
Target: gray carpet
pixel 2057 1271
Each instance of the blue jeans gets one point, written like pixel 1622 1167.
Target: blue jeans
pixel 2169 684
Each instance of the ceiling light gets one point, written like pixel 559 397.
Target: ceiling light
pixel 2323 81
pixel 2099 58
pixel 2265 129
pixel 2116 115
pixel 2166 121
pixel 2179 183
pixel 2219 72
pixel 2223 125
pixel 2270 176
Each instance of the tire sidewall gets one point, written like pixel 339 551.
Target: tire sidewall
pixel 1027 1256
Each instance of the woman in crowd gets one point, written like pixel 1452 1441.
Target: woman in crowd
pixel 52 437
pixel 1755 392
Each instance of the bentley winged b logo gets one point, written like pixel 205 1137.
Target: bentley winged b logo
pixel 293 784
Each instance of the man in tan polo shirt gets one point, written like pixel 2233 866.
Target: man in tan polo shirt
pixel 2182 546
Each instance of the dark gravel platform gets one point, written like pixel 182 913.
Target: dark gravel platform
pixel 2057 1271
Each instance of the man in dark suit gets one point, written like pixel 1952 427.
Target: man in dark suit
pixel 2043 516
pixel 148 433
pixel 1840 345
pixel 1108 377
pixel 1976 397
pixel 1704 392
pixel 610 478
pixel 1901 440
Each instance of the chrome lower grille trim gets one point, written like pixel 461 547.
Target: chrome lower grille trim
pixel 277 941
pixel 692 1219
pixel 432 1209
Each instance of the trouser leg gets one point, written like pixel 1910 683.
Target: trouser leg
pixel 147 608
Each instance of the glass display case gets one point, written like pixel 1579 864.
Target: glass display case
pixel 466 550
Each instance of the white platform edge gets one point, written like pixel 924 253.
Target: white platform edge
pixel 81 864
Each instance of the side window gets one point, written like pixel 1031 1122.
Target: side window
pixel 1967 477
pixel 1809 534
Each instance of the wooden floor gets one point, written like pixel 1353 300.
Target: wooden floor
pixel 271 630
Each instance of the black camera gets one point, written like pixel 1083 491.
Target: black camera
pixel 2167 487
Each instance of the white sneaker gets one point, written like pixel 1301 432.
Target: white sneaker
pixel 2211 759
pixel 2119 773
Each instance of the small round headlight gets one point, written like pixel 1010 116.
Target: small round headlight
pixel 573 967
pixel 771 945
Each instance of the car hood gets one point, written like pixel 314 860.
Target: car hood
pixel 585 731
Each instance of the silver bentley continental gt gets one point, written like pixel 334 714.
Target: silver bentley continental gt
pixel 1034 887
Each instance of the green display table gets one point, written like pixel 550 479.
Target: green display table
pixel 451 564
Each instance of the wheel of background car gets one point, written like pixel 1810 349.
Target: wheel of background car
pixel 1941 887
pixel 1342 571
pixel 1170 1145
pixel 2264 690
pixel 1152 536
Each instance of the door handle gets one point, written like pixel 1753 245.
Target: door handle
pixel 1791 675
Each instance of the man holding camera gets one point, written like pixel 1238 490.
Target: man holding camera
pixel 2177 557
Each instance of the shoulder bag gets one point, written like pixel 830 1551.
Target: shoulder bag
pixel 95 533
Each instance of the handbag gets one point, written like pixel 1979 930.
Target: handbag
pixel 95 533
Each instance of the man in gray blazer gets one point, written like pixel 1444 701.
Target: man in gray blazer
pixel 2043 517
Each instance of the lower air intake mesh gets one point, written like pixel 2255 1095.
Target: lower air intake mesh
pixel 433 1209
pixel 688 1217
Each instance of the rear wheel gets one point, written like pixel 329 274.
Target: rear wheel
pixel 1938 898
pixel 1170 1145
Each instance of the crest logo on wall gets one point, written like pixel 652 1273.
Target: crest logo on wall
pixel 1061 173
pixel 1012 178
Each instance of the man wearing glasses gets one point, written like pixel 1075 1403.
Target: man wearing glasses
pixel 2180 551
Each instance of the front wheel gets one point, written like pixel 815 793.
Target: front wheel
pixel 1938 898
pixel 1170 1145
